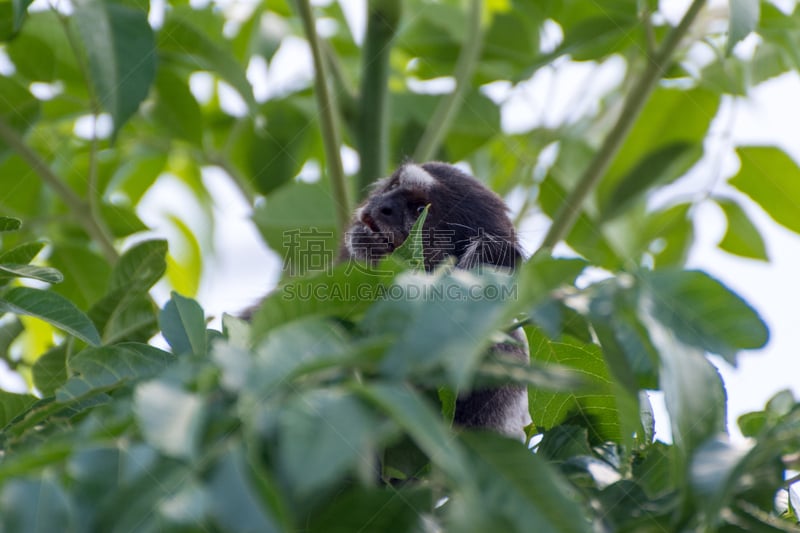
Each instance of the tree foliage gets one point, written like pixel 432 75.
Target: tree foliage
pixel 330 410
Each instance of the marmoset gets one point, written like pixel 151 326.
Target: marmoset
pixel 466 223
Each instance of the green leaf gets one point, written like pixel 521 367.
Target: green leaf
pixel 176 110
pixel 586 238
pixel 372 509
pixel 653 470
pixel 668 235
pixel 595 410
pixel 52 308
pixel 723 472
pixel 50 369
pixel 672 117
pixel 772 179
pixel 180 38
pixel 46 274
pixel 421 422
pixel 121 220
pixel 10 224
pixel 744 20
pixel 547 377
pixel 540 276
pixel 346 292
pixel 141 266
pixel 236 330
pixel 23 253
pixel 751 424
pixel 20 9
pixel 511 43
pixel 99 369
pixel 120 47
pixel 183 324
pixel 134 176
pixel 626 345
pixel 236 504
pixel 412 249
pixel 445 320
pixel 702 312
pixel 632 359
pixel 503 470
pixel 284 353
pixel 55 51
pixel 22 501
pixel 741 238
pixel 9 330
pixel 298 222
pixel 595 37
pixel 563 442
pixel 170 418
pixel 693 390
pixel 662 165
pixel 20 109
pixel 185 266
pixel 86 273
pixel 475 125
pixel 126 312
pixel 273 154
pixel 126 315
pixel 32 57
pixel 12 405
pixel 322 435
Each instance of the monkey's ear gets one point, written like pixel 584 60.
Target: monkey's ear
pixel 491 250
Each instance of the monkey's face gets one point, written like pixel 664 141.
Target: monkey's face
pixel 464 218
pixel 384 220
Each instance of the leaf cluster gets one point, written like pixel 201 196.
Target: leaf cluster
pixel 323 413
pixel 332 409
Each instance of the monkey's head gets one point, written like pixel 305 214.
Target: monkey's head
pixel 465 220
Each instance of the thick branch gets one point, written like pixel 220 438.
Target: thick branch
pixel 568 213
pixel 79 208
pixel 327 119
pixel 373 116
pixel 446 111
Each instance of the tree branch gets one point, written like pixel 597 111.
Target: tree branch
pixel 327 119
pixel 568 213
pixel 373 116
pixel 79 208
pixel 446 111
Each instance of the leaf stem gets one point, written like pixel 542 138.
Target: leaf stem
pixel 448 106
pixel 80 208
pixel 373 116
pixel 327 119
pixel 92 195
pixel 567 214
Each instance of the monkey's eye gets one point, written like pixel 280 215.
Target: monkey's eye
pixel 420 209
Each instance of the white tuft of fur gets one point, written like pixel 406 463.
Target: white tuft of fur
pixel 416 176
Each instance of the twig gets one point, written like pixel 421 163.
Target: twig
pixel 568 213
pixel 327 119
pixel 445 112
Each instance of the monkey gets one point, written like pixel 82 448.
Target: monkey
pixel 466 220
pixel 466 223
